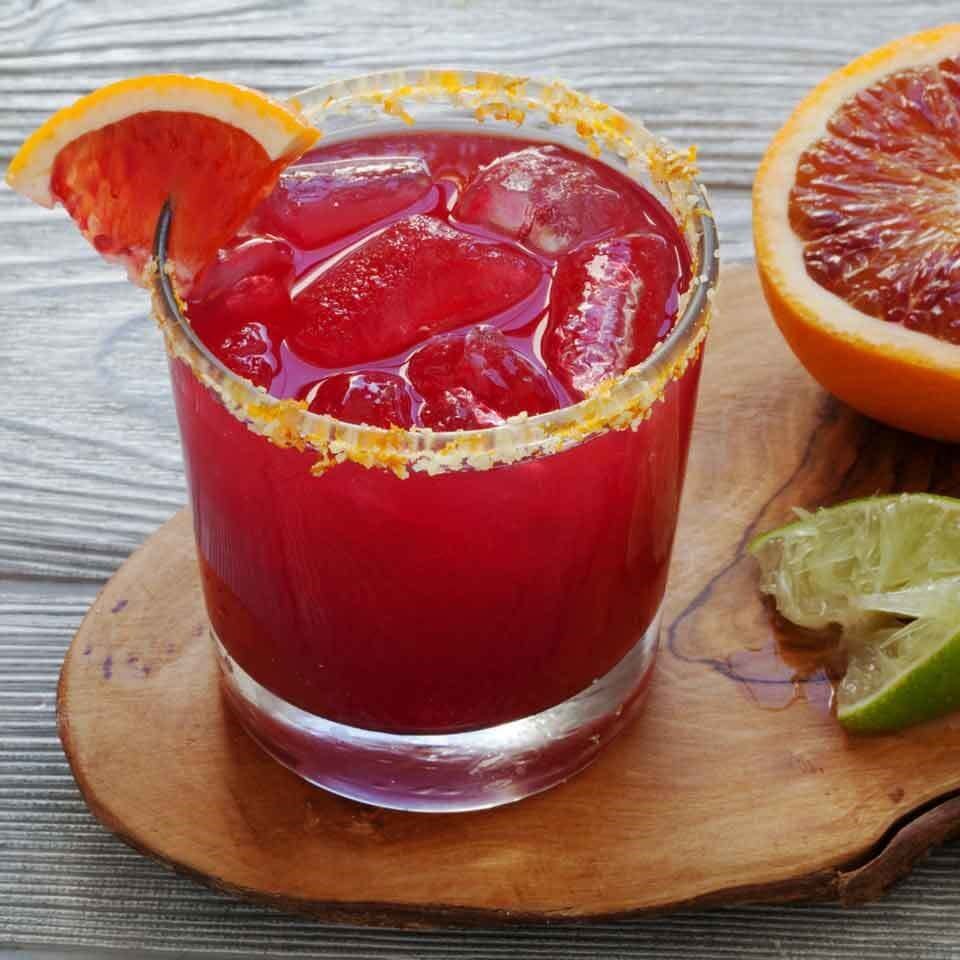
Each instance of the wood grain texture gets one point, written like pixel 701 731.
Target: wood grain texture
pixel 90 462
pixel 762 799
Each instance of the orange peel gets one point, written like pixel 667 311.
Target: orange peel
pixel 115 155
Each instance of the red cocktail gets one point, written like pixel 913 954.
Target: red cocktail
pixel 434 542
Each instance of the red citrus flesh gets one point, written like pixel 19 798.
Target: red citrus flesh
pixel 114 181
pixel 876 201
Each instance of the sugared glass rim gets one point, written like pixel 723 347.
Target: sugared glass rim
pixel 504 103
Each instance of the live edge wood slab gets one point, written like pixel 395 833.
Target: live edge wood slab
pixel 733 785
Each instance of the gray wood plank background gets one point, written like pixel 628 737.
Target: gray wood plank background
pixel 89 457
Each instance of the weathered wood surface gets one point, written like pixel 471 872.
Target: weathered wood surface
pixel 735 784
pixel 90 463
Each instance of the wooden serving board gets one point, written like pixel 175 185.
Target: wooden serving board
pixel 734 785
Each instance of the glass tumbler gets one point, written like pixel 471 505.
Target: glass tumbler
pixel 445 621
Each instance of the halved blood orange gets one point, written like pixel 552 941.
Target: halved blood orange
pixel 116 155
pixel 857 233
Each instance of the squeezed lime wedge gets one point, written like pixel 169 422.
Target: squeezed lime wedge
pixel 886 570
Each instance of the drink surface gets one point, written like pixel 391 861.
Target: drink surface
pixel 443 279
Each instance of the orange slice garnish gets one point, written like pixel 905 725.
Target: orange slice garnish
pixel 857 233
pixel 115 156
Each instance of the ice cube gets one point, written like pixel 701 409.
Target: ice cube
pixel 372 397
pixel 249 283
pixel 260 256
pixel 611 302
pixel 544 197
pixel 458 409
pixel 416 278
pixel 483 362
pixel 316 203
pixel 249 352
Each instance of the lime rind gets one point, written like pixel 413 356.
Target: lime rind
pixel 928 688
pixel 886 570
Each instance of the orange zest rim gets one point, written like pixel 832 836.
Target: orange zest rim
pixel 556 112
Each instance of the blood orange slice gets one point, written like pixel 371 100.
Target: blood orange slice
pixel 116 155
pixel 857 232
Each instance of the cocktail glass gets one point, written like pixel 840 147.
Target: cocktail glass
pixel 445 621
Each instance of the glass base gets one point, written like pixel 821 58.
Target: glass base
pixel 445 772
